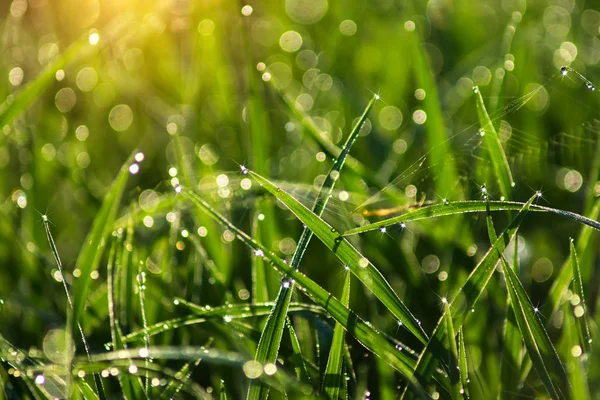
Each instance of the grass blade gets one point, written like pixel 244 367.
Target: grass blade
pixel 539 347
pixel 91 252
pixel 575 357
pixel 471 206
pixel 452 366
pixel 270 340
pixel 440 152
pixel 356 262
pixel 300 365
pixel 468 295
pixel 561 284
pixel 463 367
pixel 333 379
pixel 492 142
pixel 371 339
pixel 581 309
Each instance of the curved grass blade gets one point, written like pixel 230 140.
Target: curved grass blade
pixel 356 262
pixel 270 340
pixel 539 347
pixel 372 340
pixel 468 295
pixel 492 142
pixel 581 309
pixel 333 379
pixel 90 254
pixel 471 206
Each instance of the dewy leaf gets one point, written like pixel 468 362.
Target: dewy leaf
pixel 471 206
pixel 492 142
pixel 539 347
pixel 465 300
pixel 333 379
pixel 90 254
pixel 356 262
pixel 370 338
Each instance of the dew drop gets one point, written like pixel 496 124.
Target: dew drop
pixel 563 71
pixel 475 89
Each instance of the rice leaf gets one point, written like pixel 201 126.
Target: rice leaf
pixel 539 347
pixel 333 379
pixel 492 142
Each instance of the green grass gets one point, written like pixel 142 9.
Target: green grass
pixel 298 200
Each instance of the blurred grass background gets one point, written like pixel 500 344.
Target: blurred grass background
pixel 197 87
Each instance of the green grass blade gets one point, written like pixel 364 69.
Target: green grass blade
pixel 11 109
pixel 577 371
pixel 561 284
pixel 270 340
pixel 539 347
pixel 492 142
pixel 299 364
pixel 91 252
pixel 581 309
pixel 333 379
pixel 471 206
pixel 512 348
pixel 356 262
pixel 86 390
pixel 371 339
pixel 463 366
pixel 468 295
pixel 453 368
pixel 440 151
pixel 185 372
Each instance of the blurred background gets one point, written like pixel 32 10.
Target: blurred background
pixel 202 87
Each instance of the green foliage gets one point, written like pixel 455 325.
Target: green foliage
pixel 164 167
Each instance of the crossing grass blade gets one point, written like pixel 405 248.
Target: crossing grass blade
pixel 203 314
pixel 333 379
pixel 537 342
pixel 364 270
pixel 93 246
pixel 496 152
pixel 370 338
pixel 471 206
pixel 270 340
pixel 581 310
pixel 467 296
pixel 185 373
